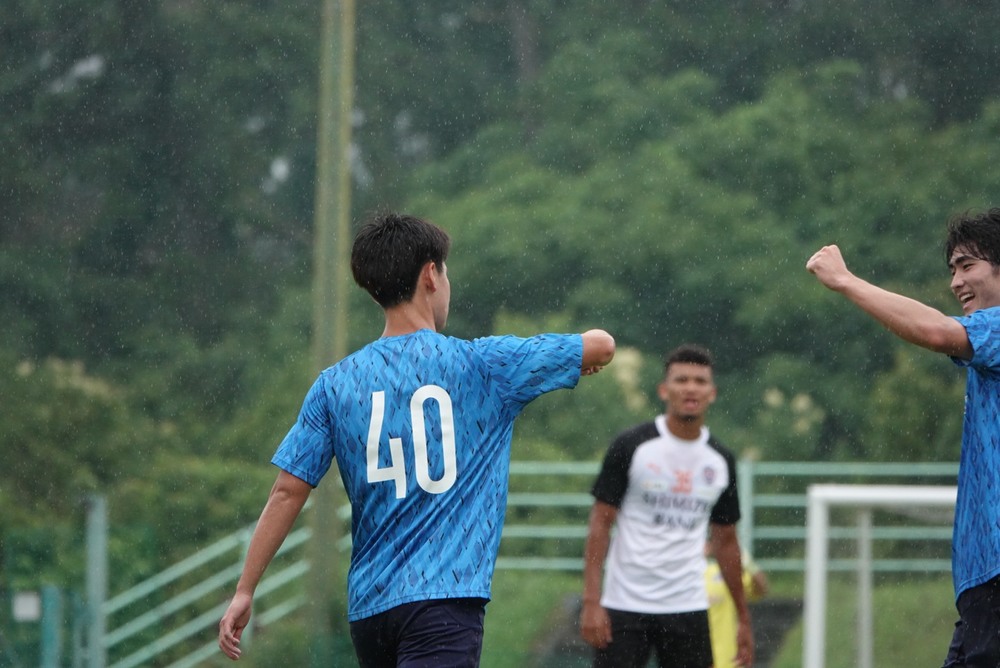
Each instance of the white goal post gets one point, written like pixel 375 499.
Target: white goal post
pixel 863 497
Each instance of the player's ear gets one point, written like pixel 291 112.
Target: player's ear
pixel 428 276
pixel 661 390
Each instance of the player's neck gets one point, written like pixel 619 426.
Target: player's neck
pixel 687 429
pixel 407 318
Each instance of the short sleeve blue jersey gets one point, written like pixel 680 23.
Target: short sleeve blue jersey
pixel 976 541
pixel 421 428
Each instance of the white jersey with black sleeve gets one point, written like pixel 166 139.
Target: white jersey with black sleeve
pixel 666 490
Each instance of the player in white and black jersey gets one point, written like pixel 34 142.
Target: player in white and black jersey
pixel 663 486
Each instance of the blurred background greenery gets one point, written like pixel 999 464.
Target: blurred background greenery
pixel 659 169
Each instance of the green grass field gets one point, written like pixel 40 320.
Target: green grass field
pixel 913 625
pixel 914 618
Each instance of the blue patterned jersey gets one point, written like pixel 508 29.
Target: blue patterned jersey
pixel 421 427
pixel 976 542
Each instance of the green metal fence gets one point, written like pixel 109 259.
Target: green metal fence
pixel 773 528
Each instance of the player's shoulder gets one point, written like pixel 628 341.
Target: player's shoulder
pixel 636 435
pixel 643 430
pixel 420 343
pixel 360 361
pixel 716 445
pixel 991 313
pixel 512 341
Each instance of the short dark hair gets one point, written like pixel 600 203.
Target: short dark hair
pixel 976 233
pixel 390 250
pixel 689 353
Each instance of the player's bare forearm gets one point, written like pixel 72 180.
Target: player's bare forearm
pixel 726 548
pixel 907 318
pixel 284 503
pixel 744 644
pixel 595 551
pixel 595 625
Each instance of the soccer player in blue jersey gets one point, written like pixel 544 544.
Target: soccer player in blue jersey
pixel 420 425
pixel 972 251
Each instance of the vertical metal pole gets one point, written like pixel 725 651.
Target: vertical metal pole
pixel 330 277
pixel 51 631
pixel 817 521
pixel 79 629
pixel 865 616
pixel 97 580
pixel 744 482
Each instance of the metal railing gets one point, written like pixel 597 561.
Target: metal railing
pixel 215 586
pixel 774 498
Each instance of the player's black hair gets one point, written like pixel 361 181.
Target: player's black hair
pixel 689 353
pixel 390 250
pixel 976 233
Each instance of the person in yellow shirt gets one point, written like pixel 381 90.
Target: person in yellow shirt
pixel 722 618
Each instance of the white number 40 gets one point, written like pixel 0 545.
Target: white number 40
pixel 396 471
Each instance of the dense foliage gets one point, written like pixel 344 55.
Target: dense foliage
pixel 659 169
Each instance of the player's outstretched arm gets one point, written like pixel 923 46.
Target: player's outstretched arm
pixel 598 351
pixel 907 318
pixel 284 503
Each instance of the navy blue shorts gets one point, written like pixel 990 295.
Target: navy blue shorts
pixel 976 641
pixel 680 640
pixel 445 633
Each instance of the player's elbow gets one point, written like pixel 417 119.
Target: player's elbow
pixel 598 348
pixel 288 489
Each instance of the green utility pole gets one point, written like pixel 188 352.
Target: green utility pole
pixel 331 261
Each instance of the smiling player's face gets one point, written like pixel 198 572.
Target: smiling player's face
pixel 688 390
pixel 974 281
